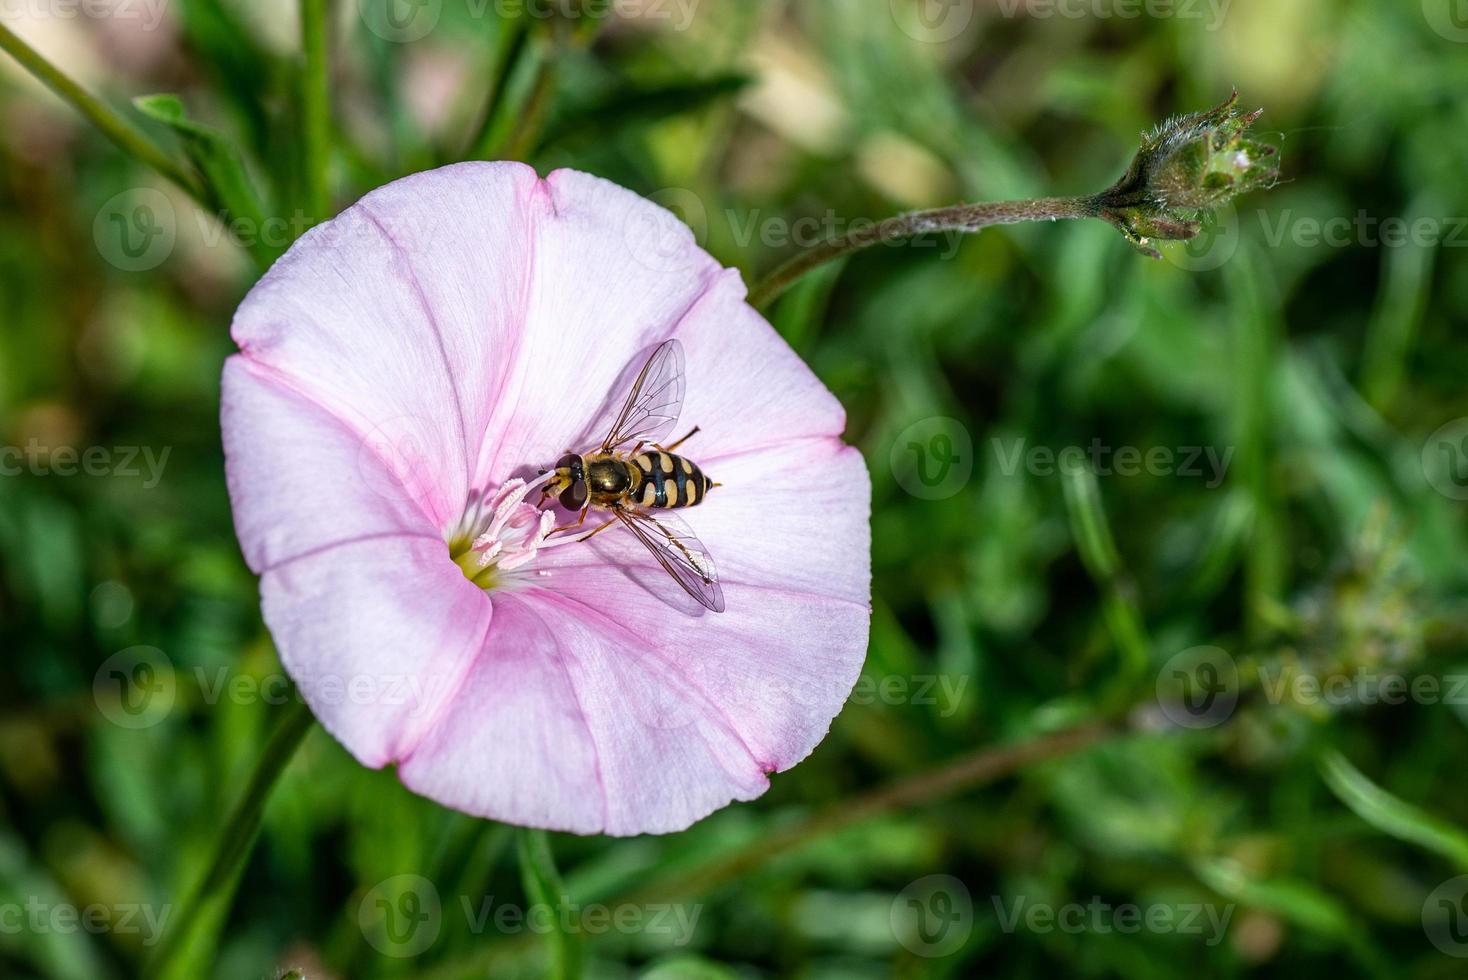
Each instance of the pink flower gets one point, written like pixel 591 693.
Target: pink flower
pixel 406 371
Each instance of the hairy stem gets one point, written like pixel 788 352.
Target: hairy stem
pixel 960 217
pixel 209 900
pixel 112 125
pixel 975 769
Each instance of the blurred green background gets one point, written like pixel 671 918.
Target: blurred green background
pixel 1296 378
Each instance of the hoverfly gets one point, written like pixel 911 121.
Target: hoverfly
pixel 630 483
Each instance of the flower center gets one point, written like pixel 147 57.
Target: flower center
pixel 500 534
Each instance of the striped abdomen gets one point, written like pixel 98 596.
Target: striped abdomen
pixel 667 480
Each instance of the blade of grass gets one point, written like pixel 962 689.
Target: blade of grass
pixel 978 768
pixel 1098 552
pixel 315 110
pixel 1389 814
pixel 1301 903
pixel 543 887
pixel 510 51
pixel 228 187
pixel 112 125
pixel 186 950
pixel 638 106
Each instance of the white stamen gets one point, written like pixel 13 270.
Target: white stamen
pixel 516 530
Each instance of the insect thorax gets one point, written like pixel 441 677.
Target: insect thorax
pixel 607 475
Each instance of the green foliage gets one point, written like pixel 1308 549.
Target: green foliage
pixel 1307 344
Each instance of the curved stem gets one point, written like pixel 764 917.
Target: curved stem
pixel 975 769
pixel 960 217
pixel 209 900
pixel 106 119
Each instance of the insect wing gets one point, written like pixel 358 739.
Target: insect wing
pixel 680 553
pixel 655 401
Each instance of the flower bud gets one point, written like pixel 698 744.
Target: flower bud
pixel 1188 166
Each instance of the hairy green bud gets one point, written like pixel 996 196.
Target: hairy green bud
pixel 1188 166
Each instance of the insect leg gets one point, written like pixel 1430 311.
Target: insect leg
pixel 691 433
pixel 593 534
pixel 571 527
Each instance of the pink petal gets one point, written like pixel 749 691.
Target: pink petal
pixel 401 317
pixel 300 480
pixel 746 387
pixel 570 721
pixel 377 634
pixel 461 326
pixel 793 559
pixel 613 275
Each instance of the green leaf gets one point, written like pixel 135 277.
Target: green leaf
pixel 1389 814
pixel 315 110
pixel 1097 546
pixel 227 186
pixel 1301 903
pixel 543 886
pixel 633 106
pixel 799 314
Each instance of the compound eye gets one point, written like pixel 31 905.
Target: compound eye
pixel 574 496
pixel 571 462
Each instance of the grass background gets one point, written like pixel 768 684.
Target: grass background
pixel 1320 368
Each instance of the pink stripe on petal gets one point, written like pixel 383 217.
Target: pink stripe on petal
pixel 401 315
pixel 462 327
pixel 568 722
pixel 377 634
pixel 614 274
pixel 300 480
